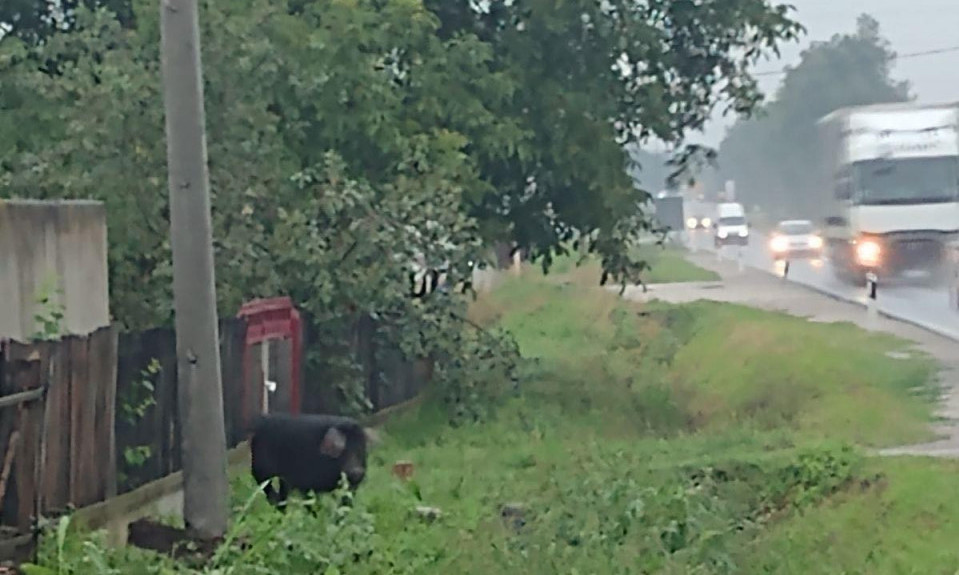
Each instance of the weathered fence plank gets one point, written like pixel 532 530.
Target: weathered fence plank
pixel 58 459
pixel 102 362
pixel 232 342
pixel 24 372
pixel 81 439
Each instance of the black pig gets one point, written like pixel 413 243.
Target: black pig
pixel 308 453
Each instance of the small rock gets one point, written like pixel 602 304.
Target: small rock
pixel 514 515
pixel 429 513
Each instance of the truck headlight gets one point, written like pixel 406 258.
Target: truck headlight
pixel 868 252
pixel 707 222
pixel 691 223
pixel 743 233
pixel 815 242
pixel 722 234
pixel 779 244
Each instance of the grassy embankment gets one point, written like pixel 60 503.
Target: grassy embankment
pixel 645 439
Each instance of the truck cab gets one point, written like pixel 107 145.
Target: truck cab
pixel 730 226
pixel 892 189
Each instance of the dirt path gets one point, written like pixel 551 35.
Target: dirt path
pixel 762 290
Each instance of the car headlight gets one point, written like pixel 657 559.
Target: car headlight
pixel 868 252
pixel 815 242
pixel 723 233
pixel 707 222
pixel 743 233
pixel 779 244
pixel 691 223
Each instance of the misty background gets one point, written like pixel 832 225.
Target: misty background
pixel 855 52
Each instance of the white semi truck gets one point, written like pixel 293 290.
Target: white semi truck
pixel 890 189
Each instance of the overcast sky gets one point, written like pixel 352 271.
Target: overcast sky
pixel 911 26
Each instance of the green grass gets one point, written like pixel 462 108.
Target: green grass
pixel 666 265
pixel 905 524
pixel 701 438
pixel 669 265
pixel 725 366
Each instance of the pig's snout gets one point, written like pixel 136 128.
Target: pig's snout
pixel 355 475
pixel 355 470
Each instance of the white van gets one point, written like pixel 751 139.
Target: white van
pixel 731 227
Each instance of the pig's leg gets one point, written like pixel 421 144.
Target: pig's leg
pixel 283 495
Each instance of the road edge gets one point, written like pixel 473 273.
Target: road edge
pixel 945 333
pixel 948 334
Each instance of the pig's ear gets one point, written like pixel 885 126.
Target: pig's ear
pixel 372 436
pixel 334 442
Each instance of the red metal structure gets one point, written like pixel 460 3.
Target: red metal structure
pixel 270 319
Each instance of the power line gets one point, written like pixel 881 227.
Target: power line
pixel 908 56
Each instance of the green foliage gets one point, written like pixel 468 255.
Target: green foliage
pixel 134 404
pixel 49 310
pixel 774 157
pixel 34 21
pixel 140 397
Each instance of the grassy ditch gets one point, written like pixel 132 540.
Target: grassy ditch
pixel 699 438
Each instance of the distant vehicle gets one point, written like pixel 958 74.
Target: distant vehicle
pixel 668 212
pixel 731 226
pixel 890 188
pixel 699 222
pixel 795 239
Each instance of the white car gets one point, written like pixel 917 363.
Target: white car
pixel 795 239
pixel 731 226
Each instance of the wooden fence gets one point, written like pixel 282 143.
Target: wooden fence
pixel 57 449
pixel 389 377
pixel 108 421
pixel 147 422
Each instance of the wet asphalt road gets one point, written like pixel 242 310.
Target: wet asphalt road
pixel 925 306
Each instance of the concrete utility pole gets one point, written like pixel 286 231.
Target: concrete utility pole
pixel 200 396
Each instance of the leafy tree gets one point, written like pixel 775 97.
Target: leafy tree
pixel 586 70
pixel 773 157
pixel 348 137
pixel 35 20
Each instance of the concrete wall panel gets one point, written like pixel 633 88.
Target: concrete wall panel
pixel 64 242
